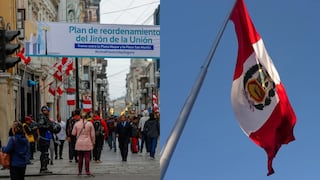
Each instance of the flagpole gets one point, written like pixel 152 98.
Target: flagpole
pixel 169 147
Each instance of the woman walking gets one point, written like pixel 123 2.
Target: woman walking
pixel 84 131
pixel 18 147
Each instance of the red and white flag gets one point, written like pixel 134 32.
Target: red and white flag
pixel 71 99
pixel 60 90
pixel 59 65
pixel 52 88
pixel 68 66
pixel 58 75
pixel 155 103
pixel 87 105
pixel 71 96
pixel 258 97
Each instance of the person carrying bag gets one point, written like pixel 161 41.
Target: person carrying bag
pixel 17 147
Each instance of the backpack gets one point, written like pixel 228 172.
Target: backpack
pixel 98 127
pixel 134 130
pixel 71 122
pixel 27 132
pixel 110 124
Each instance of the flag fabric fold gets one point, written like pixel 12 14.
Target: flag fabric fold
pixel 258 97
pixel 52 88
pixel 60 90
pixel 155 103
pixel 68 67
pixel 58 75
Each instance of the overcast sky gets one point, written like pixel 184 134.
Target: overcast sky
pixel 124 12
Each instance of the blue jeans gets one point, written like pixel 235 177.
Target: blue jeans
pixel 112 140
pixel 152 142
pixel 144 139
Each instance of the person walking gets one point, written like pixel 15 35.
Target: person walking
pixel 26 124
pixel 51 146
pixel 60 138
pixel 101 133
pixel 45 134
pixel 152 129
pixel 111 123
pixel 84 132
pixel 18 147
pixel 142 121
pixel 134 135
pixel 75 116
pixel 123 132
pixel 34 127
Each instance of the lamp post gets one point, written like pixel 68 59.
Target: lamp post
pixel 150 85
pixel 144 91
pixel 99 82
pixel 101 100
pixel 93 69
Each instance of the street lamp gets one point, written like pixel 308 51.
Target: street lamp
pixel 151 85
pixel 101 100
pixel 98 82
pixel 144 91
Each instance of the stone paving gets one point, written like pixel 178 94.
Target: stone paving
pixel 139 163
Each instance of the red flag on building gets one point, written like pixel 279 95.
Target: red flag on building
pixel 68 66
pixel 60 90
pixel 59 64
pixel 58 75
pixel 155 103
pixel 87 105
pixel 26 60
pixel 259 98
pixel 52 88
pixel 71 96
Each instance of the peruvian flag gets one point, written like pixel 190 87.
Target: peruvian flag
pixel 68 66
pixel 87 105
pixel 71 96
pixel 155 103
pixel 23 58
pixel 59 65
pixel 58 75
pixel 60 90
pixel 258 97
pixel 52 88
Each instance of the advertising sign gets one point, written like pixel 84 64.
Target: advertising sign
pixel 94 40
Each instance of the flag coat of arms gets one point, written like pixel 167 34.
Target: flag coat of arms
pixel 258 97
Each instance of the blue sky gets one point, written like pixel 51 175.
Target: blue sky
pixel 213 145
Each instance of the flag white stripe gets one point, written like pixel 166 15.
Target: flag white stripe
pixel 251 119
pixel 266 61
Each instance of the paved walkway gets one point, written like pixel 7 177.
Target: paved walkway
pixel 139 163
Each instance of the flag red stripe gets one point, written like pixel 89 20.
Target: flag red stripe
pixel 247 35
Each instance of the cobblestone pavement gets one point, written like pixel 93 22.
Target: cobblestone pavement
pixel 137 164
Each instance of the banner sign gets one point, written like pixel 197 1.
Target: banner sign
pixel 94 40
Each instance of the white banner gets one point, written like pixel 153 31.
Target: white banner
pixel 94 40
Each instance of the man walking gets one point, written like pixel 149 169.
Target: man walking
pixel 60 138
pixel 101 133
pixel 123 132
pixel 152 129
pixel 142 121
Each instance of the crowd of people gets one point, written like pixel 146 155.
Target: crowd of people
pixel 85 133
